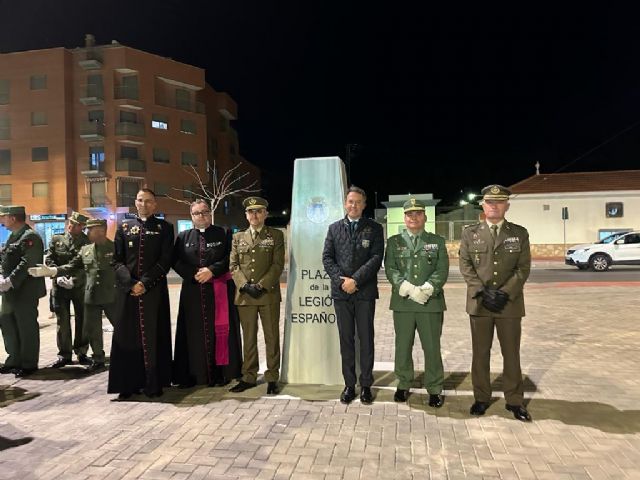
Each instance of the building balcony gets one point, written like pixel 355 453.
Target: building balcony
pixel 94 171
pixel 92 131
pixel 92 60
pixel 186 106
pixel 92 95
pixel 131 165
pixel 125 200
pixel 95 202
pixel 130 129
pixel 226 106
pixel 122 92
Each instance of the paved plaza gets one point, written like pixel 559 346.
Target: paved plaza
pixel 580 356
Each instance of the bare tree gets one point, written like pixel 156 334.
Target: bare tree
pixel 221 187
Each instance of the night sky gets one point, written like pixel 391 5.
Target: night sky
pixel 439 99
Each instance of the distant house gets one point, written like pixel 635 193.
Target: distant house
pixel 597 203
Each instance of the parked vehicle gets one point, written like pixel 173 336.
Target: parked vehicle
pixel 621 248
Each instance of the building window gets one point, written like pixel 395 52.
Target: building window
pixel 96 158
pixel 4 91
pixel 161 189
pixel 96 116
pixel 160 122
pixel 39 154
pixel 183 99
pixel 189 158
pixel 5 162
pixel 545 208
pixel 187 192
pixel 128 189
pixel 161 155
pixel 188 126
pixel 128 152
pixel 38 118
pixel 40 189
pixel 5 193
pixel 128 117
pixel 224 124
pixel 38 82
pixel 5 126
pixel 98 193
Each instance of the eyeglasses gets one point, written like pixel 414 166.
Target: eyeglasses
pixel 201 214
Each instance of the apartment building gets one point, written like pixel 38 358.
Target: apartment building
pixel 84 129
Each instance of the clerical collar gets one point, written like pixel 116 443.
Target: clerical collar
pixel 144 219
pixel 202 230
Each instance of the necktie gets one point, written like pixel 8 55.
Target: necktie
pixel 254 235
pixel 494 231
pixel 354 225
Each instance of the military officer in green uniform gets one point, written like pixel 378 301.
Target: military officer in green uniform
pixel 69 289
pixel 256 263
pixel 20 293
pixel 495 260
pixel 99 293
pixel 417 265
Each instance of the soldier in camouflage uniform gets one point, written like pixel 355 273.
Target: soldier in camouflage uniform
pixel 495 260
pixel 69 289
pixel 99 294
pixel 20 293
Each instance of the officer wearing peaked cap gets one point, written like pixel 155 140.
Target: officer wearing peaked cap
pixel 495 261
pixel 20 293
pixel 69 289
pixel 256 263
pixel 417 266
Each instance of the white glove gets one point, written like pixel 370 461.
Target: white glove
pixel 65 282
pixel 406 289
pixel 419 296
pixel 5 284
pixel 427 287
pixel 42 271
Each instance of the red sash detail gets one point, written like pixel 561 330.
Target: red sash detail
pixel 221 324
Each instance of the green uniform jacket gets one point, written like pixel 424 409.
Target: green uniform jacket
pixel 258 262
pixel 24 249
pixel 428 261
pixel 62 250
pixel 95 261
pixel 503 264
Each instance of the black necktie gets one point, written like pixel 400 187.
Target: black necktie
pixel 354 226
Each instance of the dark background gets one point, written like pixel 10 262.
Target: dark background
pixel 439 99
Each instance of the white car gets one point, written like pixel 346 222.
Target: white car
pixel 622 248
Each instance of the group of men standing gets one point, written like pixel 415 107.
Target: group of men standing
pixel 495 261
pixel 229 282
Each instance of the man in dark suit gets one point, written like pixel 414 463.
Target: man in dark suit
pixel 352 256
pixel 495 260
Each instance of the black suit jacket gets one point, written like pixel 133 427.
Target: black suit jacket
pixel 358 256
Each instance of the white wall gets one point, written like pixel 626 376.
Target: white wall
pixel 586 214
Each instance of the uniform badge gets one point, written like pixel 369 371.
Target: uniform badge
pixel 365 243
pixel 495 190
pixel 87 253
pixel 430 247
pixel 135 230
pixel 131 244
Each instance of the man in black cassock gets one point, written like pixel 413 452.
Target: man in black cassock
pixel 208 346
pixel 141 345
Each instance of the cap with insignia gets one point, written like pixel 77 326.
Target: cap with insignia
pixel 413 205
pixel 96 222
pixel 254 203
pixel 12 210
pixel 495 192
pixel 77 217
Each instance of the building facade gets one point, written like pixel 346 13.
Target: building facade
pixel 84 129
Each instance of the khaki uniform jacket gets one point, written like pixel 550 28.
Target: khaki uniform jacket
pixel 428 261
pixel 95 261
pixel 24 249
pixel 258 262
pixel 504 265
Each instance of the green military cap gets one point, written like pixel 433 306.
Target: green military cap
pixel 254 203
pixel 495 192
pixel 77 217
pixel 96 222
pixel 12 210
pixel 413 205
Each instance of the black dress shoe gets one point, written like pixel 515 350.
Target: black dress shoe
pixel 59 363
pixel 96 367
pixel 478 408
pixel 7 369
pixel 24 372
pixel 84 360
pixel 242 386
pixel 348 395
pixel 436 400
pixel 124 396
pixel 272 388
pixel 153 393
pixel 401 396
pixel 366 397
pixel 519 412
pixel 184 386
